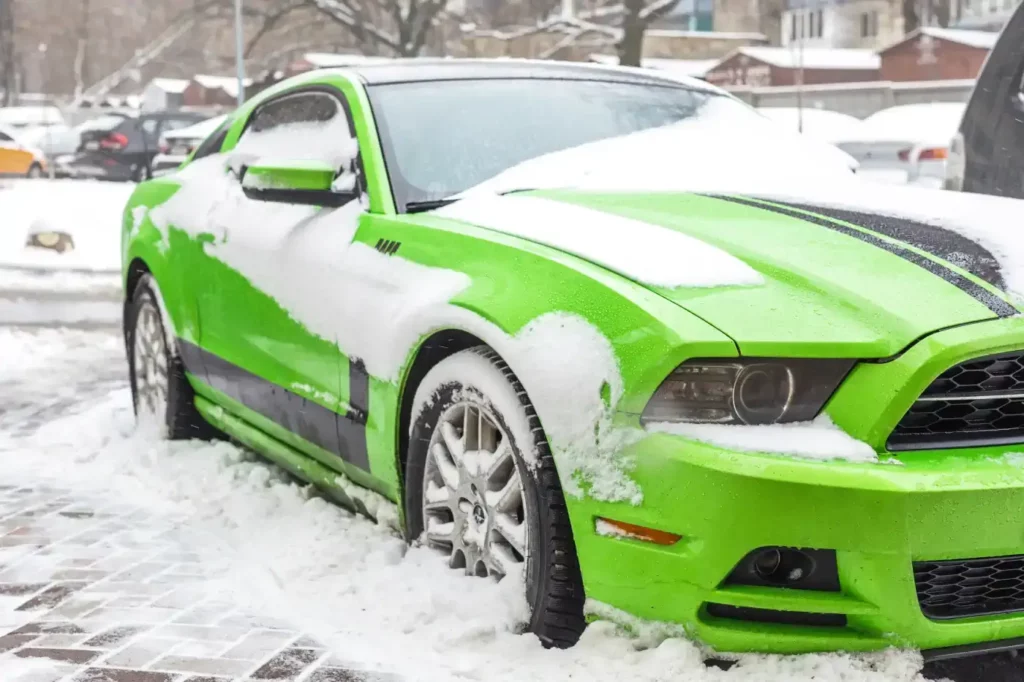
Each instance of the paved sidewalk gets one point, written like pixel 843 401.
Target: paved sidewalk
pixel 97 593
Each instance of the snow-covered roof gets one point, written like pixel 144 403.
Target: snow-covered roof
pixel 812 58
pixel 325 60
pixel 31 116
pixel 695 68
pixel 706 35
pixel 172 85
pixel 985 40
pixel 228 84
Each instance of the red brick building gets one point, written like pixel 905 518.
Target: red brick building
pixel 937 54
pixel 772 66
pixel 211 91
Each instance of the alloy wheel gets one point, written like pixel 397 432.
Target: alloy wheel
pixel 473 504
pixel 149 364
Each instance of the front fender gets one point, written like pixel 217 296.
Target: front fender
pixel 166 257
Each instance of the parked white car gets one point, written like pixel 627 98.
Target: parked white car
pixel 176 145
pixel 822 124
pixel 907 143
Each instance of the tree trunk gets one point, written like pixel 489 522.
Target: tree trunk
pixel 7 65
pixel 911 20
pixel 631 47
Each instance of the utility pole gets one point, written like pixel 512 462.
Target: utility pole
pixel 7 69
pixel 800 80
pixel 240 51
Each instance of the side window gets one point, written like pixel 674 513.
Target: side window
pixel 4 137
pixel 305 126
pixel 213 143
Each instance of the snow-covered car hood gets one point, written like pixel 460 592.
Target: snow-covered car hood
pixel 854 266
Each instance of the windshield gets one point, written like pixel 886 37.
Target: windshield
pixel 440 139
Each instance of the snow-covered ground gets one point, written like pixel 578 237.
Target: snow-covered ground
pixel 90 211
pixel 67 424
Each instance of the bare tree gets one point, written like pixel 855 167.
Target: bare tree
pixel 401 27
pixel 637 16
pixel 8 67
pixel 265 15
pixel 81 54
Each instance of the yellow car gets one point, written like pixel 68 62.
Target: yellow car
pixel 17 158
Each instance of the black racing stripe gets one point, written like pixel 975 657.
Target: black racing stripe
pixel 994 303
pixel 940 242
pixel 342 435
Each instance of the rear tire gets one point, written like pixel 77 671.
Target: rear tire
pixel 496 508
pixel 141 173
pixel 161 393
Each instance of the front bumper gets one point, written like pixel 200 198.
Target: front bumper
pixel 878 518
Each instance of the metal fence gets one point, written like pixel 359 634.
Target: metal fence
pixel 858 99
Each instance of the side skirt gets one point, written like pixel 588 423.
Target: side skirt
pixel 298 464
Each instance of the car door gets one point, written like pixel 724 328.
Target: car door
pixel 293 380
pixel 14 159
pixel 991 128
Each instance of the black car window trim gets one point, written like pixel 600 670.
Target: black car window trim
pixel 334 93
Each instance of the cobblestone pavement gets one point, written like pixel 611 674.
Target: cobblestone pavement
pixel 93 593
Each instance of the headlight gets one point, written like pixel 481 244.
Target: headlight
pixel 746 391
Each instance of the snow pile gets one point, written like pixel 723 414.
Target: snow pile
pixel 571 374
pixel 818 440
pixel 90 211
pixel 822 124
pixel 932 122
pixel 726 143
pixel 668 259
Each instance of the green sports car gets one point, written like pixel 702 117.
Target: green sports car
pixel 784 426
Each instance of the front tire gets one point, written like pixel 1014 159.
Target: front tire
pixel 35 171
pixel 161 393
pixel 472 494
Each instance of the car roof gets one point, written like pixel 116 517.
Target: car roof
pixel 426 70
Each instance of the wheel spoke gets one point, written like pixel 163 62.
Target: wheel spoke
pixel 449 472
pixel 513 533
pixel 438 531
pixel 510 497
pixel 455 443
pixel 500 460
pixel 501 560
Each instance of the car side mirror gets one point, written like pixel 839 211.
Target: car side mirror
pixel 312 183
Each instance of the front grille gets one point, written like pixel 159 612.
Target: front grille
pixel 970 587
pixel 980 402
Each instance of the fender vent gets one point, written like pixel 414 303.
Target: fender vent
pixel 387 247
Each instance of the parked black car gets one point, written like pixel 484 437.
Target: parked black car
pixel 987 154
pixel 122 148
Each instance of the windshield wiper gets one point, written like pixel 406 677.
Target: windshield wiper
pixel 421 206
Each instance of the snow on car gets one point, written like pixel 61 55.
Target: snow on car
pixel 907 143
pixel 821 124
pixel 413 286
